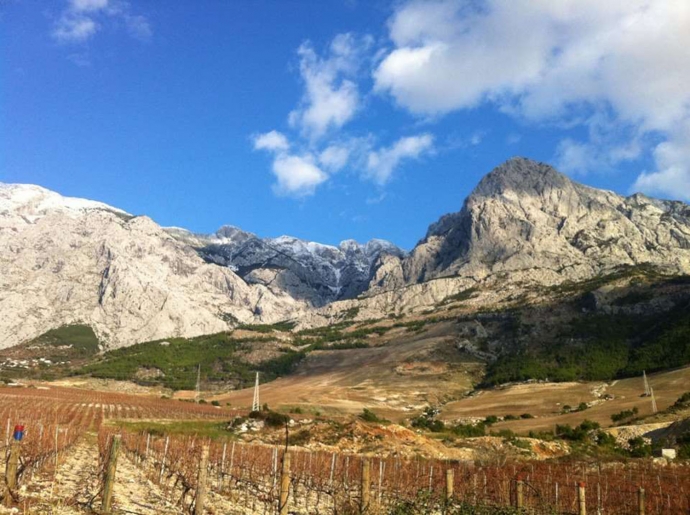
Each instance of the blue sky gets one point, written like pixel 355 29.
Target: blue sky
pixel 337 119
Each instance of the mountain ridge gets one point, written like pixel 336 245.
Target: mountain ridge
pixel 525 225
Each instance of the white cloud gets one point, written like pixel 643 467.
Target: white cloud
pixel 297 176
pixel 334 157
pixel 546 60
pixel 80 20
pixel 138 26
pixel 88 5
pixel 274 141
pixel 72 28
pixel 381 163
pixel 672 177
pixel 331 97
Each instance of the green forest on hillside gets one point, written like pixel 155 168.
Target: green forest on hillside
pixel 601 347
pixel 176 361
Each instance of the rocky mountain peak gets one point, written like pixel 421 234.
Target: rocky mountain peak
pixel 520 175
pixel 525 219
pixel 233 233
pixel 32 202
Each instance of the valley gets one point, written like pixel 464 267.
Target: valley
pixel 513 337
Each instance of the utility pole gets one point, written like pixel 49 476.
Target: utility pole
pixel 198 383
pixel 651 390
pixel 647 392
pixel 256 406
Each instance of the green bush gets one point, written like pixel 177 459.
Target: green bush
pixel 622 415
pixel 639 448
pixel 369 416
pixel 578 433
pixel 469 430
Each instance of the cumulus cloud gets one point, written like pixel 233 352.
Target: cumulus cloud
pixel 331 97
pixel 334 157
pixel 74 28
pixel 273 141
pixel 672 177
pixel 297 176
pixel 381 163
pixel 80 20
pixel 550 61
pixel 88 5
pixel 317 147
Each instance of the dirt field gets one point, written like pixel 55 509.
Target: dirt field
pixel 545 401
pixel 394 380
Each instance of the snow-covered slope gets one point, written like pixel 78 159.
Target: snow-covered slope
pixel 33 202
pixel 305 270
pixel 68 261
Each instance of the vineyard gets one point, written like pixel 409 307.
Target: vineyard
pixel 191 474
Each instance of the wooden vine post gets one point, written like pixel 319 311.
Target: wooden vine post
pixel 519 493
pixel 110 471
pixel 641 501
pixel 200 499
pixel 366 485
pixel 450 481
pixel 285 485
pixel 582 499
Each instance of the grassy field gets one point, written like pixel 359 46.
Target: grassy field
pixel 545 401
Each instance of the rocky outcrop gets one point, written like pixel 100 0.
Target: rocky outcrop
pixel 69 261
pixel 525 217
pixel 308 271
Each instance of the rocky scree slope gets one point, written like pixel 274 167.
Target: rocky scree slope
pixel 309 271
pixel 66 261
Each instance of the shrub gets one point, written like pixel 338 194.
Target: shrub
pixel 639 448
pixel 622 415
pixel 469 430
pixel 427 420
pixel 369 416
pixel 270 418
pixel 578 433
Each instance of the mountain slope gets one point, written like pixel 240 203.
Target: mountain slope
pixel 68 261
pixel 309 271
pixel 525 216
pixel 524 228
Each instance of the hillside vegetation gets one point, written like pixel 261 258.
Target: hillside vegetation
pixel 601 336
pixel 174 362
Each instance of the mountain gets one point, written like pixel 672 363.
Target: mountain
pixel 528 222
pixel 308 271
pixel 525 229
pixel 72 261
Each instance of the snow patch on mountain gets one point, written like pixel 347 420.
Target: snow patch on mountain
pixel 306 270
pixel 33 202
